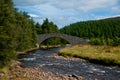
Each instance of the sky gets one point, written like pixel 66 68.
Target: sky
pixel 65 12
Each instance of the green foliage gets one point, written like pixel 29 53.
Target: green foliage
pixel 38 28
pixel 49 27
pixel 95 41
pixel 6 56
pixel 100 32
pixel 116 41
pixel 102 41
pixel 17 31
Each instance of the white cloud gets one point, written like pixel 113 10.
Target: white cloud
pixel 103 17
pixel 116 9
pixel 76 4
pixel 64 12
pixel 33 15
pixel 46 9
pixel 95 4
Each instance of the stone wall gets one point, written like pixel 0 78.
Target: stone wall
pixel 73 40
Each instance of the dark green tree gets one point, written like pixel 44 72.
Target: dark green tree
pixel 17 31
pixel 50 27
pixel 38 28
pixel 100 32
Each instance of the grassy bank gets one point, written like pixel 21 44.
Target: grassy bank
pixel 5 72
pixel 105 55
pixel 27 51
pixel 5 68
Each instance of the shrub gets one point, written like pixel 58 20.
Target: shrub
pixel 6 56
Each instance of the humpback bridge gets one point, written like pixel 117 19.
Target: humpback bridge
pixel 73 40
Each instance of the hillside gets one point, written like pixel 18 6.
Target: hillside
pixel 105 30
pixel 113 18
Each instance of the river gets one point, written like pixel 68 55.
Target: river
pixel 48 60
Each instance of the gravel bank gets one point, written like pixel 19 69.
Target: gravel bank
pixel 36 73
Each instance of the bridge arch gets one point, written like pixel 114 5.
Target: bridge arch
pixel 53 39
pixel 73 40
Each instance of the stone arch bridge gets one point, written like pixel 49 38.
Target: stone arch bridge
pixel 73 40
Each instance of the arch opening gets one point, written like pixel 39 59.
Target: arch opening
pixel 53 42
pixel 71 39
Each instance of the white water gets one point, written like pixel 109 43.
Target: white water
pixel 89 71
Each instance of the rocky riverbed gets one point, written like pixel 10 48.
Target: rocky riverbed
pixel 67 68
pixel 17 72
pixel 48 65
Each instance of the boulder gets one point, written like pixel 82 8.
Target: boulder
pixel 2 74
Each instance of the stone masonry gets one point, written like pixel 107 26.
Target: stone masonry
pixel 73 40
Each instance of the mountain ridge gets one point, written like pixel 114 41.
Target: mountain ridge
pixel 112 18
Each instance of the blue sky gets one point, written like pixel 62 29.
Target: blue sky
pixel 65 12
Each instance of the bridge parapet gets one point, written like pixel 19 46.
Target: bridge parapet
pixel 73 40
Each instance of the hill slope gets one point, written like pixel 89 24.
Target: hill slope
pixel 113 18
pixel 105 29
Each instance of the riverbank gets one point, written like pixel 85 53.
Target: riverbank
pixel 5 69
pixel 27 51
pixel 36 73
pixel 16 72
pixel 105 55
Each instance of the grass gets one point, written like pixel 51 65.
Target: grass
pixel 19 75
pixel 27 51
pixel 49 46
pixel 106 55
pixel 5 71
pixel 12 73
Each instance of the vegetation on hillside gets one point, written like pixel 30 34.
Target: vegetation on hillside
pixel 100 32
